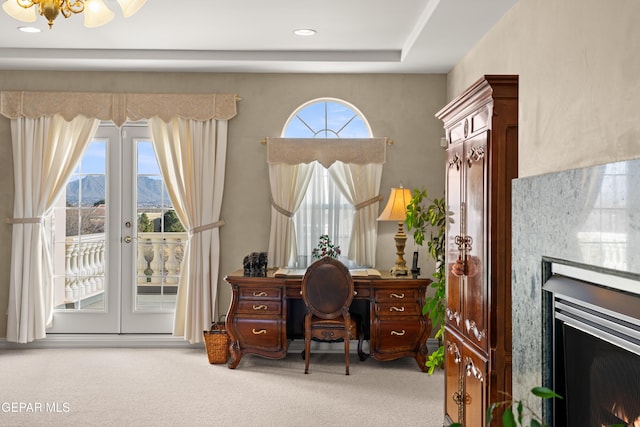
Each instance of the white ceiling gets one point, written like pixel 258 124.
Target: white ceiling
pixel 353 36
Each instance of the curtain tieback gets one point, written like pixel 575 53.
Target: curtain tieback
pixel 368 202
pixel 202 228
pixel 35 220
pixel 280 209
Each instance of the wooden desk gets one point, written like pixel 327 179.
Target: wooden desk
pixel 262 316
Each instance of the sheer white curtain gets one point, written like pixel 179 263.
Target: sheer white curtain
pixel 45 152
pixel 192 156
pixel 288 186
pixel 360 184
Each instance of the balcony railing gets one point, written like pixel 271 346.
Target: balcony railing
pixel 159 260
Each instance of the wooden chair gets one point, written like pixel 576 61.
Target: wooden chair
pixel 327 291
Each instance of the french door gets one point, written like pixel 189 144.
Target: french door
pixel 117 242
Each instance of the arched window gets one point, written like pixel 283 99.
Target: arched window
pixel 324 209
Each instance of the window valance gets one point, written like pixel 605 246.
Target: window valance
pixel 118 107
pixel 295 151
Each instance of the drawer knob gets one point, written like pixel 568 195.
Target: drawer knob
pixel 398 296
pixel 260 294
pixel 394 308
pixel 402 332
pixel 260 307
pixel 259 331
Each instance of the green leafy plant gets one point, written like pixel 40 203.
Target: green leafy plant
pixel 513 419
pixel 325 248
pixel 424 214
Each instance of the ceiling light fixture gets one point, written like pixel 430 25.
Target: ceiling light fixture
pixel 304 32
pixel 96 13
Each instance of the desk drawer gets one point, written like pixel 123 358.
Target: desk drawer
pixel 260 293
pixel 397 309
pixel 396 295
pixel 398 336
pixel 259 334
pixel 267 307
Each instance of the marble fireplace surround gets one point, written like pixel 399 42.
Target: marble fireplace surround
pixel 588 216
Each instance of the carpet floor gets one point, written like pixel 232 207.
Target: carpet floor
pixel 178 387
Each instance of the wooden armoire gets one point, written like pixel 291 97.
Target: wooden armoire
pixel 481 128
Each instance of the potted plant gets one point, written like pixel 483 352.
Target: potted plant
pixel 325 248
pixel 423 214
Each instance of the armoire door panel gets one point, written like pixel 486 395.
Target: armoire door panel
pixel 454 379
pixel 475 291
pixel 454 230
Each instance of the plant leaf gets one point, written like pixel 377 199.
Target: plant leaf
pixel 535 423
pixel 507 418
pixel 545 393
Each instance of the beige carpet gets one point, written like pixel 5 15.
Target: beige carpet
pixel 178 387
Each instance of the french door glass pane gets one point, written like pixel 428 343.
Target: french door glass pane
pixel 161 237
pixel 79 228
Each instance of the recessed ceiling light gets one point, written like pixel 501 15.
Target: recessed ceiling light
pixel 304 32
pixel 29 29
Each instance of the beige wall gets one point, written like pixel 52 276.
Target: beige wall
pixel 400 107
pixel 579 80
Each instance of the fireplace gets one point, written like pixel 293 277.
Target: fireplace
pixel 592 338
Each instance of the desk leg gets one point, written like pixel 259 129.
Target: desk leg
pixel 423 353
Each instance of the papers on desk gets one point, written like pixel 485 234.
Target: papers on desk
pixel 297 272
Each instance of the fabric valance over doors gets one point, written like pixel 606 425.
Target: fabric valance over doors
pixel 118 107
pixel 355 165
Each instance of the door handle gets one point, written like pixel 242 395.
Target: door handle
pixel 127 239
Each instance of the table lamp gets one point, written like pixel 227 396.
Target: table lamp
pixel 396 210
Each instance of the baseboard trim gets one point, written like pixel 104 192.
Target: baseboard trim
pixel 165 341
pixel 104 341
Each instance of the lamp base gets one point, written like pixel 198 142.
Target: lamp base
pixel 399 270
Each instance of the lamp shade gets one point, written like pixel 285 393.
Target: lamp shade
pixel 396 209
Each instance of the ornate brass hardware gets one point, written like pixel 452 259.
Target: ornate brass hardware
pixel 398 296
pixel 259 294
pixel 453 315
pixel 452 348
pixel 472 370
pixel 475 154
pixel 260 307
pixel 455 161
pixel 258 331
pixel 398 333
pixel 400 309
pixel 473 328
pixel 460 398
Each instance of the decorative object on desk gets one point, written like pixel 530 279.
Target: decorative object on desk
pixel 415 270
pixel 255 264
pixel 396 210
pixel 325 248
pixel 420 216
pixel 216 341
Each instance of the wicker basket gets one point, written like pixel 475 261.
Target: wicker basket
pixel 216 341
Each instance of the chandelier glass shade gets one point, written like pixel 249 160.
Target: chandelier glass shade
pixel 96 13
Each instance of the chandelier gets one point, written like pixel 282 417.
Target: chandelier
pixel 96 13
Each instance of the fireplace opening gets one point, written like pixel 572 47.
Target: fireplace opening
pixel 594 334
pixel 602 381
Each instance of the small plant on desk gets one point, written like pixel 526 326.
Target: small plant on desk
pixel 325 248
